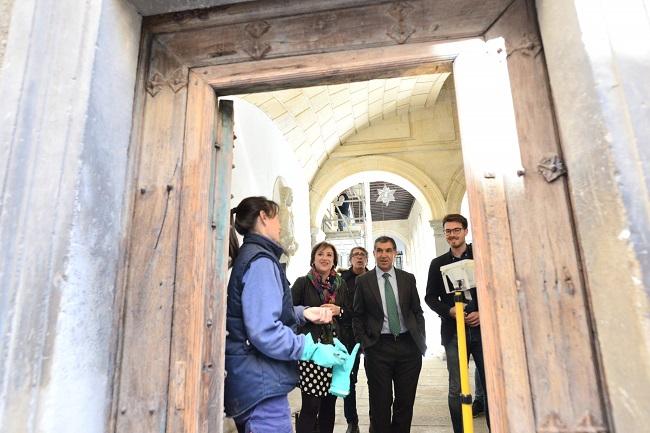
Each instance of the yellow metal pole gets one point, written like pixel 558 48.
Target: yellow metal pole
pixel 465 391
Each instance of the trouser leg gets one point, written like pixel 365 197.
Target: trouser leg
pixel 308 413
pixel 326 413
pixel 406 374
pixel 455 411
pixel 379 371
pixel 479 394
pixel 476 349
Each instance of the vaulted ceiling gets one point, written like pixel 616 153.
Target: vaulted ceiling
pixel 314 120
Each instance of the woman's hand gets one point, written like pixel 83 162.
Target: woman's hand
pixel 318 315
pixel 335 309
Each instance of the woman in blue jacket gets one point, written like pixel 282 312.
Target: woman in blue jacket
pixel 262 348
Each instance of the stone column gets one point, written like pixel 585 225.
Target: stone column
pixel 314 231
pixel 439 237
pixel 369 238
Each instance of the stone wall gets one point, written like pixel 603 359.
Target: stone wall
pixel 67 88
pixel 262 156
pixel 5 16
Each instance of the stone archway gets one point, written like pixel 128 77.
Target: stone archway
pixel 456 191
pixel 336 173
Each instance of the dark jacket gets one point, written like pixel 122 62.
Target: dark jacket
pixel 369 314
pixel 304 293
pixel 346 334
pixel 439 300
pixel 251 375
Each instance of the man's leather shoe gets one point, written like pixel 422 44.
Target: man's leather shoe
pixel 352 428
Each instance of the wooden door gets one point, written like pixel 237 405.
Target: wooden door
pixel 172 366
pixel 543 373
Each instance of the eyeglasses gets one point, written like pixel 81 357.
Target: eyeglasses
pixel 455 231
pixel 358 254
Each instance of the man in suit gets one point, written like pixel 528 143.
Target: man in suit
pixel 389 323
pixel 455 227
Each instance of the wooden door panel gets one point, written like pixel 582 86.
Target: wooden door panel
pixel 142 383
pixel 490 151
pixel 565 379
pixel 211 414
pixel 547 316
pixel 197 362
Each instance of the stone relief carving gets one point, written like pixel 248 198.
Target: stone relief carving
pixel 284 196
pixel 402 30
pixel 252 45
pixel 176 81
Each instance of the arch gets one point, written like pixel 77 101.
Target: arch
pixel 336 175
pixel 456 191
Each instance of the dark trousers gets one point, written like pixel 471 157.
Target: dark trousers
pixel 479 392
pixel 316 410
pixel 392 363
pixel 350 402
pixel 474 348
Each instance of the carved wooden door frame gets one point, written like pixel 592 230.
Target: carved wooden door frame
pixel 188 59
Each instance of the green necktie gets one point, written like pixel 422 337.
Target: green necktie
pixel 391 306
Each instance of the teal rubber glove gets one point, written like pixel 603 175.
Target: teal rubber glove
pixel 340 386
pixel 325 355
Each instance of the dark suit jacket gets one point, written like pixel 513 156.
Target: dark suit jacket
pixel 368 315
pixel 440 301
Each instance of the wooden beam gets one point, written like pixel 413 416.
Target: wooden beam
pixel 233 13
pixel 328 68
pixel 267 30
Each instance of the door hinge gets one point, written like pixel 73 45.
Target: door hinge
pixel 551 167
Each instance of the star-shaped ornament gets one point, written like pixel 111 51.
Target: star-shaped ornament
pixel 385 195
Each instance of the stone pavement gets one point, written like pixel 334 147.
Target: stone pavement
pixel 430 415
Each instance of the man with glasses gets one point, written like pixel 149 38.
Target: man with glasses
pixel 389 322
pixel 358 263
pixel 455 228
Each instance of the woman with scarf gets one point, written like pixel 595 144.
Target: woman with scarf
pixel 321 287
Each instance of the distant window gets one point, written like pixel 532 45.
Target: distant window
pixel 399 258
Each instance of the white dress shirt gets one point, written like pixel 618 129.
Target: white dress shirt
pixel 393 282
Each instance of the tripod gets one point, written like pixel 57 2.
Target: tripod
pixel 465 391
